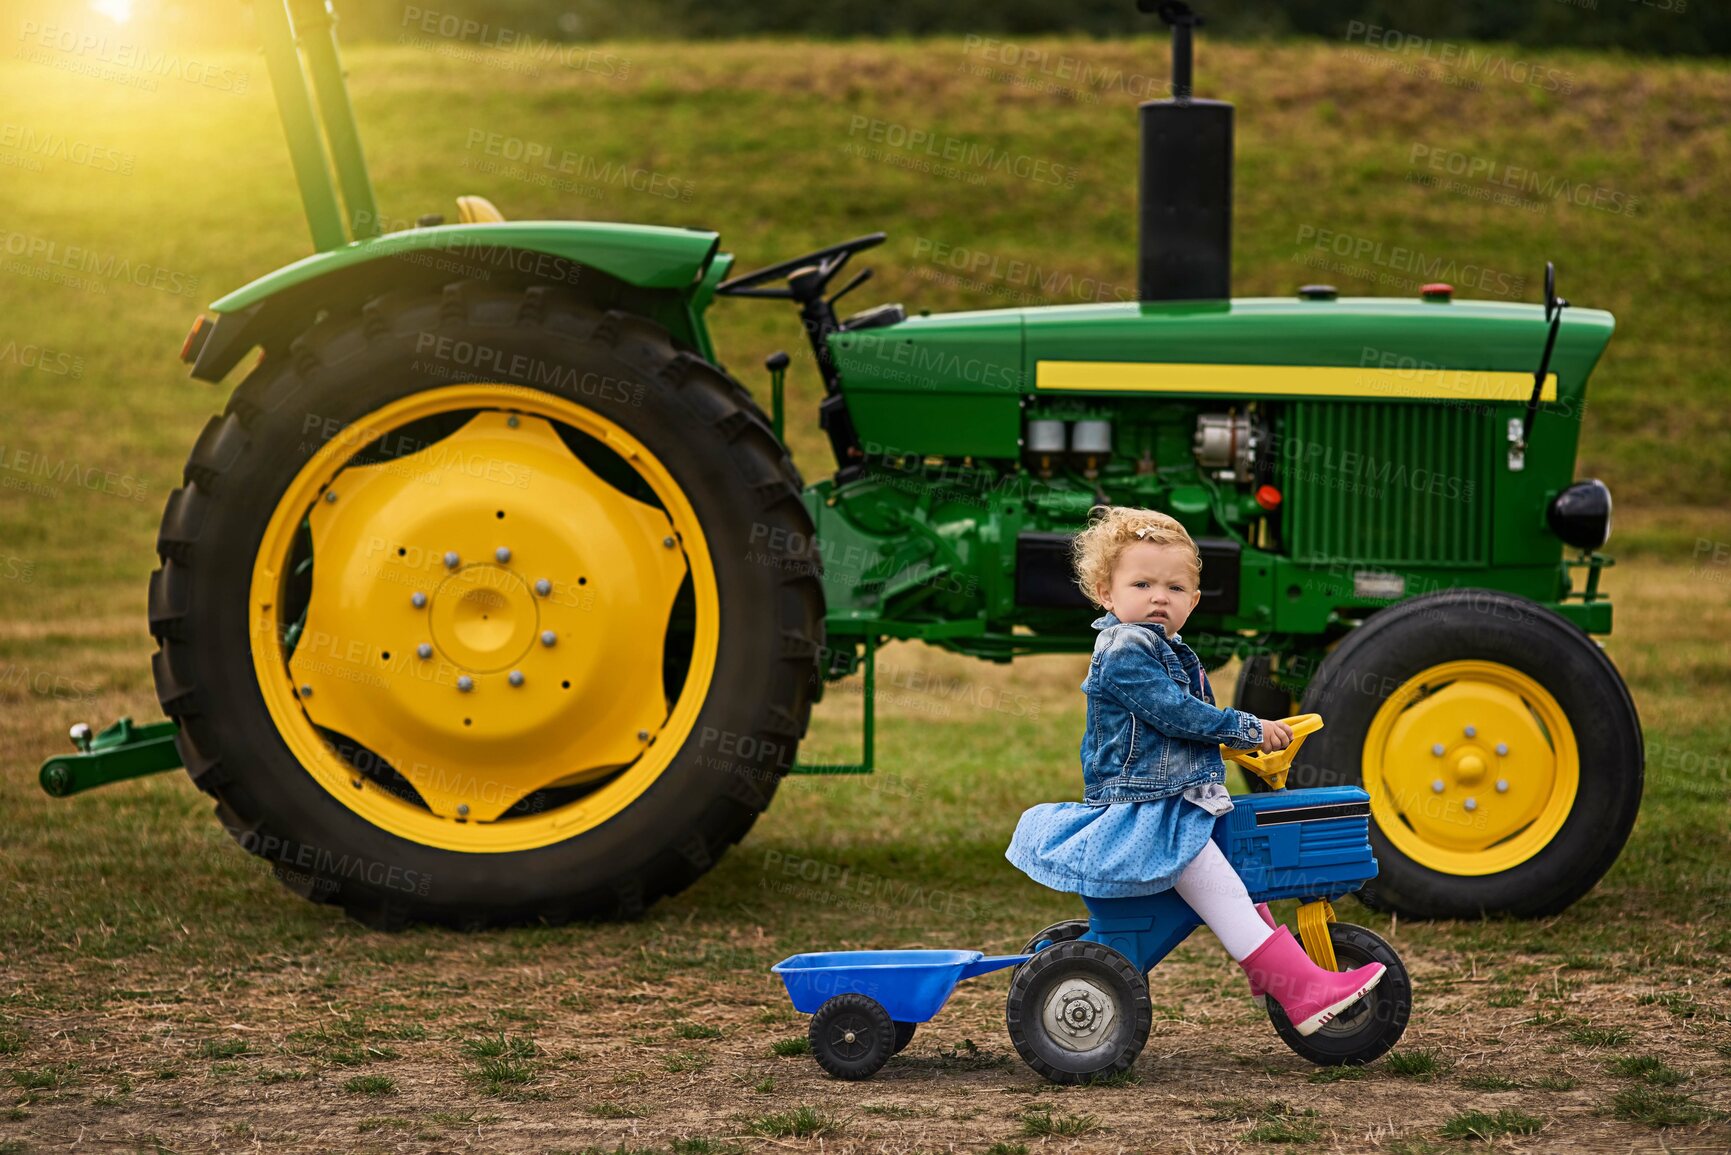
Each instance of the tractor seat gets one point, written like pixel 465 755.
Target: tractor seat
pixel 473 210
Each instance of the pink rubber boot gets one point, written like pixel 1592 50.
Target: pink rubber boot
pixel 1256 991
pixel 1309 995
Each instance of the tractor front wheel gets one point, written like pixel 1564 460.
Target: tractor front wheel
pixel 1500 749
pixel 487 606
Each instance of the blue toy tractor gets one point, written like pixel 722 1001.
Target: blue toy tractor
pixel 1078 1007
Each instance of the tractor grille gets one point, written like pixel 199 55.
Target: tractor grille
pixel 1386 483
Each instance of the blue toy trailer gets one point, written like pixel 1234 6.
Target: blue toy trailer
pixel 866 1004
pixel 1079 1008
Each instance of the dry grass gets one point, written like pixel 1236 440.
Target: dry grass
pixel 159 986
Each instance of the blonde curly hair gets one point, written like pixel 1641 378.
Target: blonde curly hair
pixel 1112 529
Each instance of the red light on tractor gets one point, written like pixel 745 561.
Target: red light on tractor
pixel 1268 497
pixel 189 348
pixel 1438 291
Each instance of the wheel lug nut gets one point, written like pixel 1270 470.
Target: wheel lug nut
pixel 1472 731
pixel 543 587
pixel 331 496
pixel 462 809
pixel 306 691
pixel 515 677
pixel 451 559
pixel 548 637
pixel 465 684
pixel 1502 785
pixel 1437 749
pixel 1471 804
pixel 502 554
pixel 643 735
pixel 423 651
pixel 1437 786
pixel 668 542
pixel 418 600
pixel 1502 749
pixel 511 421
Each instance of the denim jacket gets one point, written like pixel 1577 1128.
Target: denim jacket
pixel 1153 729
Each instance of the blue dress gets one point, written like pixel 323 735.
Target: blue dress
pixel 1121 849
pixel 1116 850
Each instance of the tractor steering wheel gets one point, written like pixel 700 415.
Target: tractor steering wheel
pixel 807 276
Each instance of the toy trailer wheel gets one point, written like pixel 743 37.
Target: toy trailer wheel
pixel 1370 1027
pixel 852 1036
pixel 1078 1011
pixel 1500 749
pixel 904 1036
pixel 486 605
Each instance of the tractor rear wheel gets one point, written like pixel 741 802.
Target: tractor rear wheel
pixel 486 606
pixel 1500 749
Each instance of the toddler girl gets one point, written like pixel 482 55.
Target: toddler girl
pixel 1152 776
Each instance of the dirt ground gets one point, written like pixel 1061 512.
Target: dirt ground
pixel 159 991
pixel 669 1046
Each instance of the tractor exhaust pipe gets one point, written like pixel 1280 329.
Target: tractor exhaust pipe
pixel 1185 204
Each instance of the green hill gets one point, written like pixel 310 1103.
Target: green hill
pixel 1005 176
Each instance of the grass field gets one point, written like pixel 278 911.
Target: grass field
pixel 159 991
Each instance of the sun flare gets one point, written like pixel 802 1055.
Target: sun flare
pixel 119 11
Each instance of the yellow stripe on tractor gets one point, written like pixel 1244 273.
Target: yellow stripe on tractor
pixel 1291 381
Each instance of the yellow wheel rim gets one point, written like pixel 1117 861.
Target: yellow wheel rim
pixel 1471 768
pixel 487 617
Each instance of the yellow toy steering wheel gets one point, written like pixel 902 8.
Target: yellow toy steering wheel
pixel 1272 768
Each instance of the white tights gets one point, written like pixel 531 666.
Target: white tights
pixel 1216 893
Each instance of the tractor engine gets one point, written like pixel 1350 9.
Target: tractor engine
pixel 989 539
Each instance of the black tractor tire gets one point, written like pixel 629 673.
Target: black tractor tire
pixel 1256 694
pixel 1103 982
pixel 1399 642
pixel 1369 1028
pixel 852 1036
pixel 696 419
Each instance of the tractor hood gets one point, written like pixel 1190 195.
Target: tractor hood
pixel 955 383
pixel 1364 347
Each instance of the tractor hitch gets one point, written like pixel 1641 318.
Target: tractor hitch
pixel 121 751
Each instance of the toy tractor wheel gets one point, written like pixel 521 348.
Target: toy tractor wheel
pixel 1065 931
pixel 852 1036
pixel 1078 1011
pixel 1367 1029
pixel 904 1036
pixel 1070 928
pixel 487 606
pixel 1499 746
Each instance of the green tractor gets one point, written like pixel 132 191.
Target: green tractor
pixel 493 596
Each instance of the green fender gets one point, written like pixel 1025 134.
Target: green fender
pixel 656 270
